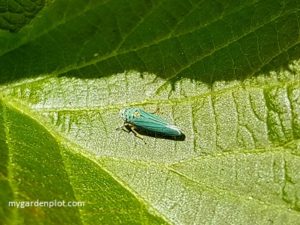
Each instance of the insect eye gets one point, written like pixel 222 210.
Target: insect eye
pixel 136 114
pixel 122 113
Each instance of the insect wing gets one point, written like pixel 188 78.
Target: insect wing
pixel 154 123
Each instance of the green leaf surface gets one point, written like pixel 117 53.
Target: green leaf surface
pixel 226 73
pixel 15 14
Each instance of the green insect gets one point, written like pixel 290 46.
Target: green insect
pixel 141 123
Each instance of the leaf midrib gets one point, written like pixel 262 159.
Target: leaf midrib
pixel 15 212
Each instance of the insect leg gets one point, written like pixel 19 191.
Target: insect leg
pixel 127 127
pixel 123 128
pixel 132 128
pixel 136 133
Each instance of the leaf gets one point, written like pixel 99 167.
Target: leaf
pixel 14 14
pixel 226 73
